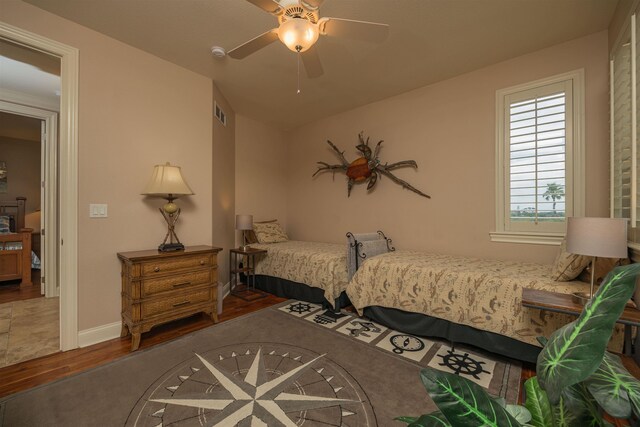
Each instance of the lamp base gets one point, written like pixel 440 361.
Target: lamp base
pixel 581 298
pixel 171 247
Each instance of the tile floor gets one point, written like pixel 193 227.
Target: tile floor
pixel 28 329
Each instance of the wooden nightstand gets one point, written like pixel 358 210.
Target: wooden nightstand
pixel 158 287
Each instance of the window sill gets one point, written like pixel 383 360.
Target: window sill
pixel 552 239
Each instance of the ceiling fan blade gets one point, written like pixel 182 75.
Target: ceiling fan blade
pixel 360 30
pixel 312 4
pixel 254 45
pixel 312 63
pixel 269 6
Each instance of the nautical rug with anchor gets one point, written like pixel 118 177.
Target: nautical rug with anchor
pixel 287 365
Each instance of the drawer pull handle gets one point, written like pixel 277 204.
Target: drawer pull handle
pixel 178 304
pixel 201 262
pixel 179 285
pixel 156 269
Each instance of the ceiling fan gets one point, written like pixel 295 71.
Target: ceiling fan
pixel 299 29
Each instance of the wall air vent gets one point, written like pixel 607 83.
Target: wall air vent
pixel 220 115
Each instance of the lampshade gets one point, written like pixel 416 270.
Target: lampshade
pixel 244 222
pixel 167 179
pixel 599 237
pixel 32 220
pixel 298 34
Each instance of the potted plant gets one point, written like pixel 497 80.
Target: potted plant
pixel 577 379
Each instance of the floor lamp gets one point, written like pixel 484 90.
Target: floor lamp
pixel 596 237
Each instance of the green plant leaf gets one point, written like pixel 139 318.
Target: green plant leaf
pixel 435 419
pixel 406 420
pixel 582 405
pixel 520 413
pixel 538 404
pixel 575 351
pixel 615 389
pixel 562 416
pixel 463 402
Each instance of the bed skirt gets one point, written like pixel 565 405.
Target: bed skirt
pixel 293 290
pixel 428 326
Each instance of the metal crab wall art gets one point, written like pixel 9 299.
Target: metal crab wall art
pixel 368 167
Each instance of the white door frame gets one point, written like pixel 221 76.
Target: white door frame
pixel 68 175
pixel 49 178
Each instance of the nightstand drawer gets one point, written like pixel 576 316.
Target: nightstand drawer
pixel 151 308
pixel 170 283
pixel 163 266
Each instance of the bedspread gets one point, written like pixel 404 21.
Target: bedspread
pixel 320 265
pixel 484 294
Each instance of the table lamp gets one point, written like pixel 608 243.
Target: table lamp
pixel 596 237
pixel 244 223
pixel 167 182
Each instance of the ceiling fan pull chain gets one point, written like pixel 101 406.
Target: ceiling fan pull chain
pixel 298 92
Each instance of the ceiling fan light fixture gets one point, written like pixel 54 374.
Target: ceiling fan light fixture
pixel 298 34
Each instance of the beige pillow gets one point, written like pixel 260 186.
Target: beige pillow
pixel 270 232
pixel 603 267
pixel 568 266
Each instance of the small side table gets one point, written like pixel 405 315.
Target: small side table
pixel 248 291
pixel 563 303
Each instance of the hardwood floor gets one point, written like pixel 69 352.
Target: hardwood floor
pixel 45 369
pixel 12 291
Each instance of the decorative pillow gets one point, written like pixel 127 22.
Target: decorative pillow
pixel 568 266
pixel 270 232
pixel 250 235
pixel 4 225
pixel 603 267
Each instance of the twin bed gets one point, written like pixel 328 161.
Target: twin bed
pixel 463 300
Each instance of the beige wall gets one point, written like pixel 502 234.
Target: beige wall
pixel 261 171
pixel 23 170
pixel 449 129
pixel 223 184
pixel 135 111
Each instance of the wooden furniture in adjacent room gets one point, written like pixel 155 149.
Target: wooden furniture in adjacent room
pixel 564 303
pixel 248 255
pixel 158 287
pixel 15 247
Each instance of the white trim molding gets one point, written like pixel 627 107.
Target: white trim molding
pixel 99 334
pixel 29 100
pixel 550 233
pixel 68 176
pixel 552 239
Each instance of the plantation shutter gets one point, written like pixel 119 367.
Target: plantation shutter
pixel 622 151
pixel 537 130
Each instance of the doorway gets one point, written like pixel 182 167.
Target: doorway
pixel 29 306
pixel 66 243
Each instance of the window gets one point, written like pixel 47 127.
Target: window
pixel 539 159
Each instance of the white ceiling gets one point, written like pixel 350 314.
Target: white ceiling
pixel 30 73
pixel 429 41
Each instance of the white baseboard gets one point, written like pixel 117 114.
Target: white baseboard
pixel 226 290
pixel 99 334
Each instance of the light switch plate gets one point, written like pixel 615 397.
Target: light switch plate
pixel 97 210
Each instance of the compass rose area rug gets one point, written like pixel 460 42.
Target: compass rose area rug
pixel 288 365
